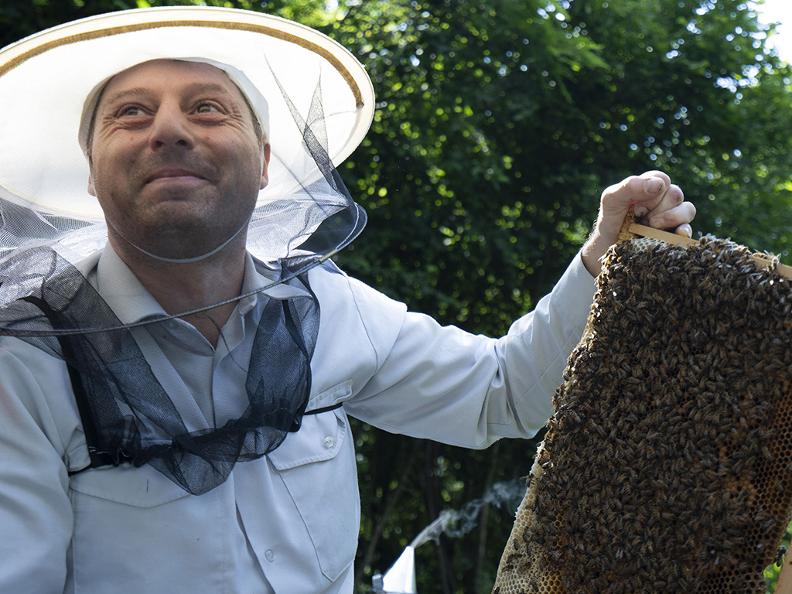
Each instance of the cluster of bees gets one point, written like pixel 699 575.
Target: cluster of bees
pixel 667 466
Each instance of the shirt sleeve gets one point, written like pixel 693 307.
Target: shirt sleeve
pixel 35 512
pixel 470 390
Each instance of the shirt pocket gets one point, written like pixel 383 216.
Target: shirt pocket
pixel 317 465
pixel 125 520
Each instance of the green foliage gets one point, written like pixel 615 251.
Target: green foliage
pixel 497 126
pixel 496 131
pixel 772 572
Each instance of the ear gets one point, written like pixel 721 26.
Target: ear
pixel 265 167
pixel 91 188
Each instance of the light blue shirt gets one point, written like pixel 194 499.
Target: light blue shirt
pixel 287 522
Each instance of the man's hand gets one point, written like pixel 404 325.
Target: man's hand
pixel 656 201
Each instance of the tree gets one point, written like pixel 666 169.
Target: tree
pixel 497 128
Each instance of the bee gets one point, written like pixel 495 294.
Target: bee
pixel 780 554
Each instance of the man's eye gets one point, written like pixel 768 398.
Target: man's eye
pixel 206 107
pixel 131 110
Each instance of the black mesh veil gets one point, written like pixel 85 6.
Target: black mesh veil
pixel 127 415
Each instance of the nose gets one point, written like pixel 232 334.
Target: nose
pixel 170 128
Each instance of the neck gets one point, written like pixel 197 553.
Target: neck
pixel 183 287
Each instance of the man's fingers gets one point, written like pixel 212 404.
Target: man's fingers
pixel 670 199
pixel 662 175
pixel 652 196
pixel 645 192
pixel 674 217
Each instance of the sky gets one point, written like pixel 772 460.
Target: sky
pixel 778 11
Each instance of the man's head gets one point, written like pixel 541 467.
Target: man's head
pixel 177 157
pixel 321 103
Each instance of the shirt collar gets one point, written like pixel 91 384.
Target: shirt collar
pixel 131 302
pixel 257 277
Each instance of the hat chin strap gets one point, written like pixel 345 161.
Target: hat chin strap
pixel 191 260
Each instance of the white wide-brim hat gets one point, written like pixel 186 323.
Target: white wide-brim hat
pixel 45 79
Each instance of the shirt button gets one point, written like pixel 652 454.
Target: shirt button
pixel 328 442
pixel 269 555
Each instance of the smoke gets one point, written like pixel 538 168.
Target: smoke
pixel 457 523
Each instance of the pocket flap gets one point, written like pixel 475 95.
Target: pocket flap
pixel 139 487
pixel 331 396
pixel 319 438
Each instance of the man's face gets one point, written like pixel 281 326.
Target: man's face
pixel 175 160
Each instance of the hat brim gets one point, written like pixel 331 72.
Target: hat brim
pixel 45 78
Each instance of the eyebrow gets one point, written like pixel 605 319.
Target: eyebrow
pixel 193 88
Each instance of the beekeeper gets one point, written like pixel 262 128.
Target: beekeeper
pixel 178 353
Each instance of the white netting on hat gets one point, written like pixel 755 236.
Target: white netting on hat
pixel 48 223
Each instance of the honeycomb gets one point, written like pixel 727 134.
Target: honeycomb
pixel 666 464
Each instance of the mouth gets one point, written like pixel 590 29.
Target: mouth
pixel 174 174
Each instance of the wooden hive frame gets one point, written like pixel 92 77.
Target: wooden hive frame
pixel 631 230
pixel 550 582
